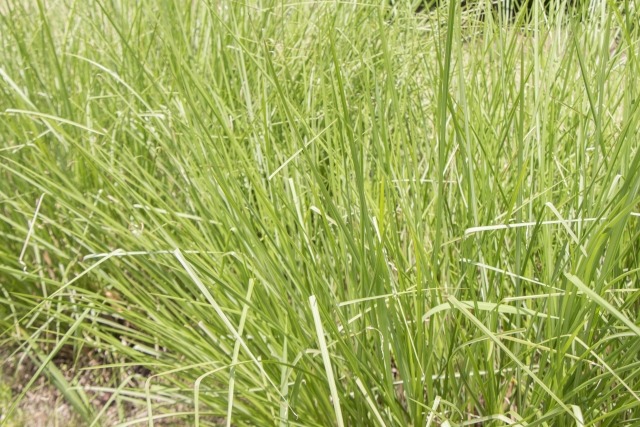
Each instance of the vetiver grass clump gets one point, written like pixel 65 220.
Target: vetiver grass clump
pixel 325 213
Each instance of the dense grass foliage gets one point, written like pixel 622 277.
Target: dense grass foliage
pixel 325 213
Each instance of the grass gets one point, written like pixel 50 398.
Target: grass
pixel 324 213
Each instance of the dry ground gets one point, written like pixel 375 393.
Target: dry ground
pixel 44 405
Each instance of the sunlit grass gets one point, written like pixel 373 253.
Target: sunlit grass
pixel 326 213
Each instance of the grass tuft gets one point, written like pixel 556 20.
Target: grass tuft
pixel 325 212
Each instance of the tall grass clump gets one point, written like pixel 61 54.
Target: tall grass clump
pixel 325 213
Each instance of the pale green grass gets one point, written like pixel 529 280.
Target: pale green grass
pixel 326 213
